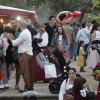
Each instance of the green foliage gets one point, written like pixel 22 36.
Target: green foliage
pixel 96 5
pixel 97 18
pixel 47 7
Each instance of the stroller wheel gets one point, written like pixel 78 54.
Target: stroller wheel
pixel 54 87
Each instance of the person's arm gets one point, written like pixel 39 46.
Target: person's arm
pixel 84 53
pixel 18 41
pixel 90 94
pixel 77 36
pixel 93 35
pixel 97 77
pixel 67 44
pixel 73 37
pixel 62 90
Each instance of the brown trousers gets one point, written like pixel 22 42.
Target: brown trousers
pixel 25 62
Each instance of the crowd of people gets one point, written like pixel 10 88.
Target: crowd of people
pixel 19 47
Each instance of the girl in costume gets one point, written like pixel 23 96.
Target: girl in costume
pixel 81 62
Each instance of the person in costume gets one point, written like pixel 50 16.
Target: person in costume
pixel 81 62
pixel 95 43
pixel 97 78
pixel 38 73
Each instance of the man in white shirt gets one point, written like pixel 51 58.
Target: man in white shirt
pixel 24 43
pixel 83 35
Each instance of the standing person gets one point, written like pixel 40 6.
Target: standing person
pixel 83 35
pixel 62 43
pixel 24 43
pixel 80 91
pixel 12 51
pixel 97 78
pixel 67 84
pixel 38 73
pixel 50 28
pixel 75 29
pixel 4 48
pixel 94 54
pixel 33 32
pixel 81 62
pixel 69 31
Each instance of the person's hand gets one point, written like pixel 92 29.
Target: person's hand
pixel 1 46
pixel 97 78
pixel 56 34
pixel 7 35
pixel 89 88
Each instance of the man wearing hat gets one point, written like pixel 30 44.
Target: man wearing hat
pixel 24 43
pixel 97 77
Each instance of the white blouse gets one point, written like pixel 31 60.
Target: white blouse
pixel 60 40
pixel 44 41
pixel 97 35
pixel 64 86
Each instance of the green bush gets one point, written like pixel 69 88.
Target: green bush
pixel 97 18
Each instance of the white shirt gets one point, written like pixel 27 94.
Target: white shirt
pixel 64 86
pixel 97 35
pixel 60 40
pixel 44 38
pixel 24 42
pixel 81 36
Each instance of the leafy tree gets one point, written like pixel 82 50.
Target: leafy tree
pixel 96 5
pixel 71 5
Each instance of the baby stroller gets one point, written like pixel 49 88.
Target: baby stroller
pixel 63 67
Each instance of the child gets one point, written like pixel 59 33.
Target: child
pixel 81 90
pixel 81 60
pixel 97 78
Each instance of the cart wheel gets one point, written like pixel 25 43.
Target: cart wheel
pixel 54 87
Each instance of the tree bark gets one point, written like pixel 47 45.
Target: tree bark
pixel 82 16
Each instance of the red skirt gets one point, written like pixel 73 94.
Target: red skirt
pixel 38 73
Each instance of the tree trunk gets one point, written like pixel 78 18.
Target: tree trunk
pixel 82 16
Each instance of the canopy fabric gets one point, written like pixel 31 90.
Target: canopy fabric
pixel 16 12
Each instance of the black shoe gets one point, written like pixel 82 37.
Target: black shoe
pixel 22 90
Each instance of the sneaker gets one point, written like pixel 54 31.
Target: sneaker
pixel 29 93
pixel 82 71
pixel 1 86
pixel 6 86
pixel 17 87
pixel 25 93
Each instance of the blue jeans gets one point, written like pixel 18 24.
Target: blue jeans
pixel 85 47
pixel 71 51
pixel 75 51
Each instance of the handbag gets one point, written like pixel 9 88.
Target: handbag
pixel 69 95
pixel 41 60
pixel 50 71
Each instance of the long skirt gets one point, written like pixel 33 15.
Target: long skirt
pixel 94 58
pixel 38 73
